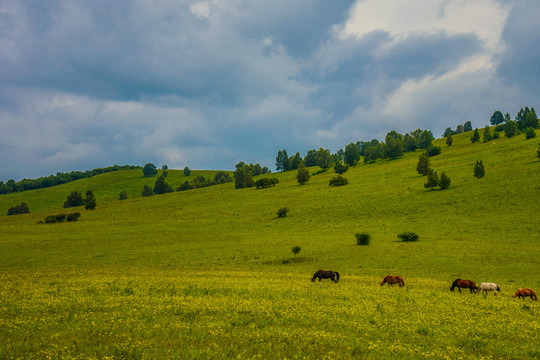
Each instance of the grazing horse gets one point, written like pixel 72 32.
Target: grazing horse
pixel 465 284
pixel 488 287
pixel 324 274
pixel 393 280
pixel 523 293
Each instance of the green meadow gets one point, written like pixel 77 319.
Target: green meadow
pixel 209 273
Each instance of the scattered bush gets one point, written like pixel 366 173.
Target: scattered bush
pixel 340 168
pixel 266 183
pixel 338 181
pixel 123 195
pixel 19 209
pixel 530 133
pixel 433 150
pixel 282 212
pixel 74 199
pixel 303 175
pixel 362 238
pixel 296 250
pixel 479 171
pixel 147 191
pixel 408 236
pixel 51 219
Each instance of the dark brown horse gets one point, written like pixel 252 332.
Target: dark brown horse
pixel 523 293
pixel 465 284
pixel 324 274
pixel 391 279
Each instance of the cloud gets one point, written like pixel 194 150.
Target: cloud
pixel 206 84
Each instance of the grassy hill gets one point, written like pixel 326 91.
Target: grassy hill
pixel 209 273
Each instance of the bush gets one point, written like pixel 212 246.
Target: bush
pixel 282 212
pixel 530 133
pixel 479 170
pixel 362 238
pixel 147 191
pixel 266 183
pixel 338 181
pixel 19 209
pixel 433 150
pixel 408 236
pixel 74 199
pixel 296 250
pixel 123 195
pixel 73 216
pixel 340 168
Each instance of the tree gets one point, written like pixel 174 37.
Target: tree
pixel 476 136
pixel 507 117
pixel 303 175
pixel 295 161
pixel 161 187
pixel 147 191
pixel 408 236
pixel 497 118
pixel 423 165
pixel 243 177
pixel 90 201
pixel 425 139
pixel 351 154
pixel 467 126
pixel 479 171
pixel 432 179
pixel 187 172
pixel 394 147
pixel 460 129
pixel 149 170
pixel 487 134
pixel 510 129
pixel 530 133
pixel 433 150
pixel 311 158
pixel 444 181
pixel 295 250
pixel 449 140
pixel 282 160
pixel 74 199
pixel 324 158
pixel 222 177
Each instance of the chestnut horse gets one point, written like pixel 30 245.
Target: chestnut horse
pixel 393 280
pixel 465 284
pixel 523 293
pixel 323 274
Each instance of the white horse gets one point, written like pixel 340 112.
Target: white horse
pixel 488 287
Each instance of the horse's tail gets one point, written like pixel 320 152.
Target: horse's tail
pixel 454 284
pixel 337 276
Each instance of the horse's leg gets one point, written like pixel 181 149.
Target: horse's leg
pixel 459 288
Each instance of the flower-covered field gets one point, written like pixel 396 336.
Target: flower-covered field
pixel 141 313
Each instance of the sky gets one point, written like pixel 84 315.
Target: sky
pixel 207 84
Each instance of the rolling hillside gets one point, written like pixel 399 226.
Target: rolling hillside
pixel 191 245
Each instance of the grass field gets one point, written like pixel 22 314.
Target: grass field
pixel 209 273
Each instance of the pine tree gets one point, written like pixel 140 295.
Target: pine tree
pixel 476 136
pixel 444 181
pixel 432 179
pixel 423 165
pixel 479 171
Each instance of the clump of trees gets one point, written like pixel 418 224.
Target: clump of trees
pixel 243 175
pixel 161 186
pixel 60 178
pixel 19 209
pixel 433 180
pixel 221 177
pixel 76 199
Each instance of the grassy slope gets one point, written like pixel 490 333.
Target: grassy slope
pixel 483 229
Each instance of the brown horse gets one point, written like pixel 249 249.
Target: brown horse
pixel 523 293
pixel 393 280
pixel 465 284
pixel 323 274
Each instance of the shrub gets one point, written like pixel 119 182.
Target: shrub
pixel 19 209
pixel 50 219
pixel 338 181
pixel 282 212
pixel 303 175
pixel 530 133
pixel 90 201
pixel 408 236
pixel 185 186
pixel 433 150
pixel 362 238
pixel 147 191
pixel 74 199
pixel 73 216
pixel 187 172
pixel 340 168
pixel 296 250
pixel 432 179
pixel 123 195
pixel 266 183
